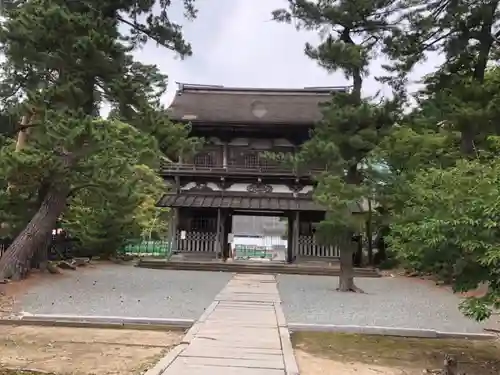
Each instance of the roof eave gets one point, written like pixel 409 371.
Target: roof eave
pixel 242 123
pixel 184 87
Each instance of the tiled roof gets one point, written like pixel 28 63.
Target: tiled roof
pixel 239 202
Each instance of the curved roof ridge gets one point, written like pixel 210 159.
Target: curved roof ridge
pixel 187 87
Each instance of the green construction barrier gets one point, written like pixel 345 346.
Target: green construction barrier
pixel 156 248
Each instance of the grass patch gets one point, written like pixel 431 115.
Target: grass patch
pixel 475 357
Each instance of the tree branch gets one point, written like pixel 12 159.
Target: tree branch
pixel 142 30
pixel 21 128
pixel 77 188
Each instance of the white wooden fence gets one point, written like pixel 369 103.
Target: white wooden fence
pixel 206 241
pixel 308 247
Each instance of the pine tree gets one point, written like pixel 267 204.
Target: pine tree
pixel 105 219
pixel 447 225
pixel 62 60
pixel 443 202
pixel 352 126
pixel 466 33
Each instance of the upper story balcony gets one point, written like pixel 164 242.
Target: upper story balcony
pixel 185 169
pixel 234 161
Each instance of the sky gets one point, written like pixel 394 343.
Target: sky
pixel 235 43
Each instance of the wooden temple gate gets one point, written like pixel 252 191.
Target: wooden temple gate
pixel 232 174
pixel 206 227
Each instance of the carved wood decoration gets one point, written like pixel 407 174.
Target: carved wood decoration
pixel 201 187
pixel 259 188
pixel 223 185
pixel 308 194
pixel 296 188
pixel 169 181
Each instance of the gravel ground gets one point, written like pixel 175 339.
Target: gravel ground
pixel 389 302
pixel 122 290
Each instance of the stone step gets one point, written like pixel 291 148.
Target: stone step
pixel 289 269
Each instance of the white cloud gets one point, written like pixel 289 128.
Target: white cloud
pixel 235 43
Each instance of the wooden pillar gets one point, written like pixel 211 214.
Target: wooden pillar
pixel 229 230
pixel 224 155
pixel 225 234
pixel 357 257
pixel 218 235
pixel 172 229
pixel 369 233
pixel 289 250
pixel 171 233
pixel 296 233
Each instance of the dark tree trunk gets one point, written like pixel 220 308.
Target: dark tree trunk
pixel 42 255
pixel 369 233
pixel 467 143
pixel 15 262
pixel 486 41
pixel 357 79
pixel 346 278
pixel 40 258
pixel 348 247
pixel 381 254
pixel 348 250
pixel 357 258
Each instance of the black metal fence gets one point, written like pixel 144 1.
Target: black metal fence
pixel 61 247
pixel 58 248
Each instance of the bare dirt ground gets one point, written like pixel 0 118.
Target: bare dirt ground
pixel 82 351
pixel 6 304
pixel 8 294
pixel 335 354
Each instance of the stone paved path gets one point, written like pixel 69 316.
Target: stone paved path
pixel 243 332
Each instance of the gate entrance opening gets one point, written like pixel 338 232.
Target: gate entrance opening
pixel 259 238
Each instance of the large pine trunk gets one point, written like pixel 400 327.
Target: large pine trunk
pixel 22 139
pixel 346 278
pixel 15 262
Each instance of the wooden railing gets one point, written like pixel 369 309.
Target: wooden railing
pixel 236 169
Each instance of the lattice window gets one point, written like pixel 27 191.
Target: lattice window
pixel 203 224
pixel 252 160
pixel 204 160
pixel 264 162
